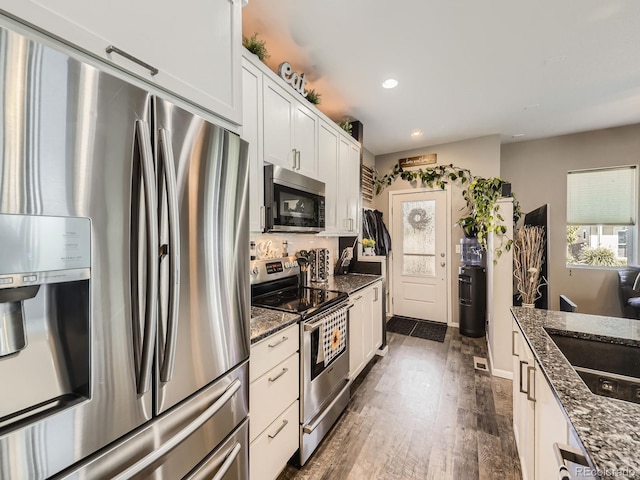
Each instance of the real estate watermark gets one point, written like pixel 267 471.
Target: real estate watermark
pixel 605 473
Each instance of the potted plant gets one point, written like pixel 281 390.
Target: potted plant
pixel 313 96
pixel 481 197
pixel 256 46
pixel 367 244
pixel 528 247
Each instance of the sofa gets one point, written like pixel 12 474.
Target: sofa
pixel 628 282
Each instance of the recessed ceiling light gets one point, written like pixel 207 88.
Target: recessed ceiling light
pixel 390 83
pixel 416 133
pixel 517 135
pixel 532 106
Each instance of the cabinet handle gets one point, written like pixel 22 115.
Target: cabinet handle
pixel 153 70
pixel 284 424
pixel 262 216
pixel 298 159
pixel 273 379
pixel 513 343
pixel 375 290
pixel 529 395
pixel 282 340
pixel 522 390
pixel 295 156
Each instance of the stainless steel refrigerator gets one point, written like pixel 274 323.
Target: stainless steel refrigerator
pixel 124 308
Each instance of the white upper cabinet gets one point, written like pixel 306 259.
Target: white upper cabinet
pixel 286 131
pixel 190 48
pixel 305 132
pixel 290 131
pixel 252 133
pixel 348 198
pixel 328 139
pixel 278 125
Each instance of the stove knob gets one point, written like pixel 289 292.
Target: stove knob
pixel 255 271
pixel 287 264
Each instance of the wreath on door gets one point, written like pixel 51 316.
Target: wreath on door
pixel 418 218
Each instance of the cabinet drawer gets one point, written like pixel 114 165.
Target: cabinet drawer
pixel 270 452
pixel 269 352
pixel 272 393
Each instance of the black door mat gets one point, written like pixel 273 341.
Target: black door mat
pixel 401 325
pixel 435 331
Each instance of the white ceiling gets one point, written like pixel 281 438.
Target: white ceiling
pixel 466 68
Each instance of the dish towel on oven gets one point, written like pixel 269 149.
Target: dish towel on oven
pixel 333 335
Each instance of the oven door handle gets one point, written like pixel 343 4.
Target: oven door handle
pixel 310 327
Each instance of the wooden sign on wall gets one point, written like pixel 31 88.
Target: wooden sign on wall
pixel 418 161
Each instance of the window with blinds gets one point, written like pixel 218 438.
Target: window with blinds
pixel 602 197
pixel 602 216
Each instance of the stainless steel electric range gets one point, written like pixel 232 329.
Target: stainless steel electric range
pixel 324 344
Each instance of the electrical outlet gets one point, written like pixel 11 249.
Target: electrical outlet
pixel 458 249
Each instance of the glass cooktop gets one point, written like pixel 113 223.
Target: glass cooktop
pixel 301 300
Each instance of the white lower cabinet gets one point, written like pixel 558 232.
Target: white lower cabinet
pixel 365 327
pixel 273 403
pixel 538 419
pixel 272 393
pixel 269 453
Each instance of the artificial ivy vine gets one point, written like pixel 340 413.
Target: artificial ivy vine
pixel 481 196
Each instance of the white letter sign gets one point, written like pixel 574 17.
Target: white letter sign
pixel 297 81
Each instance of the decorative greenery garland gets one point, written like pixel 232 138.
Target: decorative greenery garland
pixel 481 197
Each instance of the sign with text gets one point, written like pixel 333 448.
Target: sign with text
pixel 297 81
pixel 418 161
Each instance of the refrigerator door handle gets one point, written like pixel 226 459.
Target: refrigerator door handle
pixel 151 220
pixel 179 437
pixel 168 168
pixel 224 468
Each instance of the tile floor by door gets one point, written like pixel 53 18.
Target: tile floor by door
pixel 421 412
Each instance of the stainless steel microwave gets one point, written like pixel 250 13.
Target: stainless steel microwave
pixel 294 203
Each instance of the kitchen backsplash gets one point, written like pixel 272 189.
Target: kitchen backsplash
pixel 271 245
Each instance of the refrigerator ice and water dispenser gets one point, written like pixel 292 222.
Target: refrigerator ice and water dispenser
pixel 44 314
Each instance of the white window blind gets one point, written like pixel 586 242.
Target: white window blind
pixel 602 197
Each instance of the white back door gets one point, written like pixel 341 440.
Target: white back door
pixel 419 235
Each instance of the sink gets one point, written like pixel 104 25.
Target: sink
pixel 608 369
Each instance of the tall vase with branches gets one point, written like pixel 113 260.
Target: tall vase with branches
pixel 528 256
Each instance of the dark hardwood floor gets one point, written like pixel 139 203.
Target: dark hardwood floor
pixel 421 412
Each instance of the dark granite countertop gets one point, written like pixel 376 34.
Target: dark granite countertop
pixel 608 429
pixel 349 283
pixel 265 322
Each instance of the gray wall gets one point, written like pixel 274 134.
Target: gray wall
pixel 480 155
pixel 368 158
pixel 537 170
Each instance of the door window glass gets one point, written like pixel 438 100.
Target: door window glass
pixel 419 238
